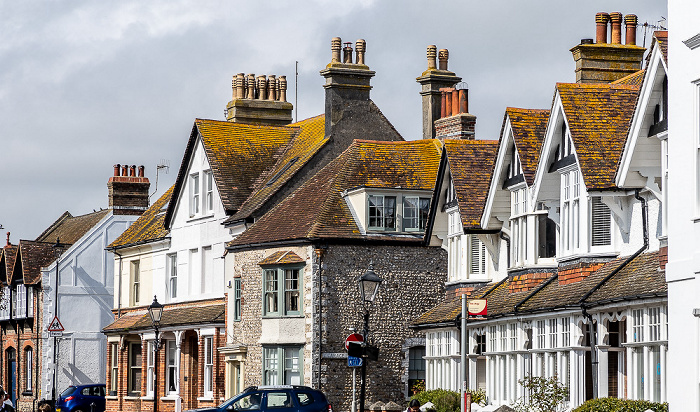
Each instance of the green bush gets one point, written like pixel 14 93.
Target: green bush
pixel 448 401
pixel 546 394
pixel 620 405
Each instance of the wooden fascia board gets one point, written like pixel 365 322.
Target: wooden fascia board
pixel 506 137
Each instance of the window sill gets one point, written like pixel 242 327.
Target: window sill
pixel 111 398
pixel 295 316
pixel 132 398
pixel 200 217
pixel 147 398
pixel 170 398
pixel 206 399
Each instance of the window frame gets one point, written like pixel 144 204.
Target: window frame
pixel 134 367
pixel 381 213
pixel 28 368
pixel 171 260
pixel 135 275
pixel 421 213
pixel 19 309
pixel 277 366
pixel 150 367
pixel 208 186
pixel 237 306
pixel 114 368
pixel 277 276
pixel 171 345
pixel 208 369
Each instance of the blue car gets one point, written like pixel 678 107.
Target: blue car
pixel 82 398
pixel 282 398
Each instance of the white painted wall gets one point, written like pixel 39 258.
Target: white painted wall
pixel 683 225
pixel 85 301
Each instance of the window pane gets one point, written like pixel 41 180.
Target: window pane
pixel 291 286
pixel 271 291
pixel 292 373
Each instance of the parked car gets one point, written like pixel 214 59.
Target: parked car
pixel 283 398
pixel 82 398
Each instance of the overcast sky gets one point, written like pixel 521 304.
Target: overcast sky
pixel 88 84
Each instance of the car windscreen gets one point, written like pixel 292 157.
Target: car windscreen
pixel 68 391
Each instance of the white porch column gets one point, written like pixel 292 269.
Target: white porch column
pixel 602 371
pixel 662 356
pixel 472 372
pixel 631 381
pixel 648 373
pixel 178 353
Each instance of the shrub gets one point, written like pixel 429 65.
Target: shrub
pixel 545 394
pixel 620 405
pixel 448 401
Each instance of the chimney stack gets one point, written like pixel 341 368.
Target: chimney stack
pixel 128 193
pixel 605 62
pixel 347 83
pixel 433 81
pixel 259 100
pixel 456 122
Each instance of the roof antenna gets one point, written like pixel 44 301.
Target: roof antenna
pixel 163 164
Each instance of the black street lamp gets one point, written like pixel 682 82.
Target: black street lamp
pixel 369 285
pixel 156 312
pixel 57 249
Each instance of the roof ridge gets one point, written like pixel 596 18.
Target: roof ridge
pixel 55 224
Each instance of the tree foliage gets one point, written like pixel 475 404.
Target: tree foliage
pixel 545 394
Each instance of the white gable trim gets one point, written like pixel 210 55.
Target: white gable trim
pixel 506 138
pixel 656 62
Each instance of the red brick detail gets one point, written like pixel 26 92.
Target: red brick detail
pixel 663 257
pixel 457 292
pixel 460 126
pixel 577 272
pixel 527 281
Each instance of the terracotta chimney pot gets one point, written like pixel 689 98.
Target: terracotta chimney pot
pixel 132 171
pixel 464 101
pixel 251 86
pixel 271 84
pixel 142 169
pixel 631 32
pixel 116 169
pixel 601 30
pixel 443 103
pixel 347 53
pixel 335 49
pixel 240 86
pixel 360 48
pixel 448 102
pixel 432 55
pixel 283 89
pixel 125 170
pixel 261 83
pixel 455 102
pixel 616 25
pixel 443 55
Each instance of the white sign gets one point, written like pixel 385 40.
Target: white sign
pixel 54 334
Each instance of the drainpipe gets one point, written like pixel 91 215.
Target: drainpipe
pixel 119 286
pixel 319 256
pixel 591 329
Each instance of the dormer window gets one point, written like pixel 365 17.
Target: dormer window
pixel 415 213
pixel 382 212
pixel 194 194
pixel 201 193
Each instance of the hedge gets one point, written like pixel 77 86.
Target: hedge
pixel 620 405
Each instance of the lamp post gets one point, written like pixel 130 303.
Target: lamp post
pixel 57 254
pixel 156 312
pixel 369 285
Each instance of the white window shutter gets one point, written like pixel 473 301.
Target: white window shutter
pixel 600 223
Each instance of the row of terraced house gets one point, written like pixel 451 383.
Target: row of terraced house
pixel 560 224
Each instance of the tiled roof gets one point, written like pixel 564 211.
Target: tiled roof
pixel 599 116
pixel 148 227
pixel 7 263
pixel 309 140
pixel 70 228
pixel 661 37
pixel 641 278
pixel 238 153
pixel 529 126
pixel 32 257
pixel 634 79
pixel 197 314
pixel 471 165
pixel 281 258
pixel 317 209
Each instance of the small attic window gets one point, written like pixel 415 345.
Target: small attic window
pixel 281 172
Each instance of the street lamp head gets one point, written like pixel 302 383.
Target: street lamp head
pixel 57 247
pixel 369 284
pixel 156 311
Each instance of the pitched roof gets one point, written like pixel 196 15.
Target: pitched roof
pixel 471 165
pixel 197 314
pixel 70 228
pixel 661 36
pixel 318 210
pixel 281 258
pixel 599 116
pixel 641 278
pixel 32 257
pixel 634 79
pixel 7 263
pixel 529 126
pixel 307 142
pixel 149 226
pixel 238 153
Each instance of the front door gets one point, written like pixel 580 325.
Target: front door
pixel 12 374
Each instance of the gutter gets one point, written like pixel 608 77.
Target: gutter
pixel 584 306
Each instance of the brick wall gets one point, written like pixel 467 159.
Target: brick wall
pixel 459 126
pixel 570 273
pixel 525 282
pixel 663 257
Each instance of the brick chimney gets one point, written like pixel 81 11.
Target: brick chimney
pixel 259 100
pixel 433 79
pixel 455 121
pixel 128 190
pixel 603 62
pixel 347 83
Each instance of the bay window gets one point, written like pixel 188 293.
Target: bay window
pixel 570 211
pixel 518 222
pixel 282 291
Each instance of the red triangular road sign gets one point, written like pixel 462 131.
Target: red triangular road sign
pixel 55 325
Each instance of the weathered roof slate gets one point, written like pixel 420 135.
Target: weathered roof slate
pixel 634 79
pixel 7 263
pixel 70 228
pixel 197 314
pixel 308 141
pixel 317 209
pixel 661 36
pixel 471 164
pixel 599 116
pixel 529 126
pixel 281 258
pixel 32 257
pixel 149 226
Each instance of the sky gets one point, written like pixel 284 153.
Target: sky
pixel 85 85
